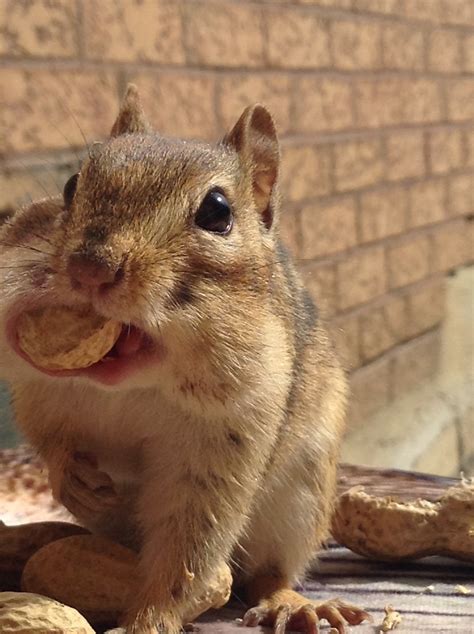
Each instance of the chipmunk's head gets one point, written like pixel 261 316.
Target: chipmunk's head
pixel 173 238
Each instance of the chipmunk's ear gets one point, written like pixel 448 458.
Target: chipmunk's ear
pixel 255 139
pixel 131 117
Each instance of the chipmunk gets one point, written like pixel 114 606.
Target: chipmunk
pixel 211 431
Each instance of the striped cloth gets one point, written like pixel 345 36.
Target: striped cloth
pixel 425 593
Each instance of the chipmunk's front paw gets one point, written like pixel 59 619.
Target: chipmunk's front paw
pixel 295 612
pixel 84 490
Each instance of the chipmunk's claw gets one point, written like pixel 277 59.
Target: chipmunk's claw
pixel 305 616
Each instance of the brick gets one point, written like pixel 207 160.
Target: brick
pixel 445 150
pixel 460 96
pixel 43 109
pixel 402 47
pixel 378 6
pixel 370 391
pixel 385 102
pixel 305 171
pixel 337 4
pixel 427 10
pixel 328 227
pixel 356 45
pixel 344 332
pixel 38 29
pixel 296 39
pixel 387 7
pixel 409 260
pixel 290 231
pixel 320 280
pixel 390 101
pixel 322 104
pixel 457 12
pixel 32 182
pixel 468 53
pixel 415 362
pixel 444 51
pixel 383 213
pixel 452 245
pixel 461 194
pixel 405 155
pixel 179 103
pixel 149 30
pixel 358 164
pixel 470 241
pixel 379 103
pixel 469 145
pixel 427 202
pixel 425 306
pixel 361 277
pixel 382 328
pixel 236 92
pixel 208 26
pixel 422 101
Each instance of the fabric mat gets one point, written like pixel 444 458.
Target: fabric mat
pixel 424 593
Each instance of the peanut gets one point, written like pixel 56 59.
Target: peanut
pixel 64 338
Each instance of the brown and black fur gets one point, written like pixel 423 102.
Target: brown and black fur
pixel 227 449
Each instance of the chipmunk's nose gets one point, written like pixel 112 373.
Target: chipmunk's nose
pixel 93 271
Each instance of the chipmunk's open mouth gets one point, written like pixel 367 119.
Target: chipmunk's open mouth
pixel 132 351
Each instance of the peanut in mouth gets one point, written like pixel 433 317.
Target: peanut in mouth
pixel 66 338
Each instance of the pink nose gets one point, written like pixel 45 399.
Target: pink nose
pixel 93 272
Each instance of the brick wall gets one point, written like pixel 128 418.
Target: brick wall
pixel 374 100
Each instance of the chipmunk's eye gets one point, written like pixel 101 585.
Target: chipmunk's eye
pixel 70 189
pixel 214 213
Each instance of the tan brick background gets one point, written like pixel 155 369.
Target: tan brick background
pixel 374 101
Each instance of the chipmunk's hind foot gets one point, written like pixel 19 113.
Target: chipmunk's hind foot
pixel 287 610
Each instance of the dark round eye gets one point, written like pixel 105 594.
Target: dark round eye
pixel 214 213
pixel 70 189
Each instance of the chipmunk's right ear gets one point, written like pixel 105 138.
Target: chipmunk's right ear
pixel 255 140
pixel 131 117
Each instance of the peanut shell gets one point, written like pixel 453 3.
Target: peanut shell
pixel 25 613
pixel 91 573
pixel 386 529
pixel 65 338
pixel 392 619
pixel 215 596
pixel 19 543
